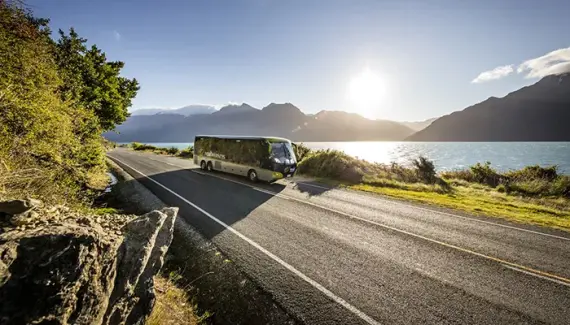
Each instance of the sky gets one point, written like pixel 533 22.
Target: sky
pixel 398 60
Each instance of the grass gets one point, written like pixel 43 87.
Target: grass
pixel 532 195
pixel 172 305
pixel 550 212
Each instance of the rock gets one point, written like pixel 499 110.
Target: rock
pixel 140 257
pixel 19 206
pixel 72 273
pixel 24 218
pixel 56 275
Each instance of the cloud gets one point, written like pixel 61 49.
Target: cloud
pixel 555 62
pixel 497 73
pixel 117 35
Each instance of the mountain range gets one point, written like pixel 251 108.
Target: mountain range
pixel 539 112
pixel 284 120
pixel 186 110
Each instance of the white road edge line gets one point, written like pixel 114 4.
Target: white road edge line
pixel 405 204
pixel 392 202
pixel 538 273
pixel 274 257
pixel 453 215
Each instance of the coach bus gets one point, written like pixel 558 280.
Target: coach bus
pixel 258 158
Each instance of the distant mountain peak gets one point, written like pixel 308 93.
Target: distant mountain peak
pixel 186 110
pixel 235 108
pixel 283 106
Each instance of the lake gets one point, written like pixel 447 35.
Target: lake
pixel 451 155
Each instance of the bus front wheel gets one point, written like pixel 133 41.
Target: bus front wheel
pixel 203 165
pixel 209 166
pixel 252 175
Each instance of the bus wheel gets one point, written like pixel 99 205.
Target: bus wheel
pixel 209 166
pixel 252 175
pixel 203 165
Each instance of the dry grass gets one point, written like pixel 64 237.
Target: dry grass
pixel 551 212
pixel 172 305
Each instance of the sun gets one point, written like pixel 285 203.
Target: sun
pixel 366 92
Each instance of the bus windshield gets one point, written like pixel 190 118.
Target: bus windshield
pixel 282 151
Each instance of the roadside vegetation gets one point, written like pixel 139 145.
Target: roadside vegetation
pixel 57 96
pixel 533 194
pixel 172 306
pixel 171 151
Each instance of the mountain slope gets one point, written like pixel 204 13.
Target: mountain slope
pixel 285 120
pixel 339 126
pixel 539 112
pixel 420 125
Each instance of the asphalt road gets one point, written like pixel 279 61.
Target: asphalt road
pixel 332 256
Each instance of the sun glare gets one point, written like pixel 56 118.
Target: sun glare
pixel 366 92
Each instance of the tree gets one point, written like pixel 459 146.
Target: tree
pixel 90 81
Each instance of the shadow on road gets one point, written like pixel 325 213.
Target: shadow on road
pixel 206 201
pixel 311 188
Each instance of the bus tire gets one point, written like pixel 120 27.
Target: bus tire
pixel 209 166
pixel 203 165
pixel 252 175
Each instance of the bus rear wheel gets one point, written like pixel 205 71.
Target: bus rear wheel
pixel 252 175
pixel 209 166
pixel 203 165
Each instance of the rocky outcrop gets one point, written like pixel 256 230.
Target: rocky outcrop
pixel 64 267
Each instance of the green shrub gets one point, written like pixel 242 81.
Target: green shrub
pixel 172 151
pixel 533 173
pixel 143 147
pixel 333 164
pixel 561 186
pixel 534 187
pixel 425 169
pixel 485 174
pixel 301 151
pixel 49 147
pixel 461 174
pixel 187 153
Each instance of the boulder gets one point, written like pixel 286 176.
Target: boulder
pixel 140 257
pixel 70 272
pixel 15 207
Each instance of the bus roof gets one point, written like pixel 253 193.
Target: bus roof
pixel 244 137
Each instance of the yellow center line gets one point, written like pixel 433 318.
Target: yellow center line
pixel 560 279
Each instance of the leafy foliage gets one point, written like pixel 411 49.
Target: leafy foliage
pixel 50 145
pixel 142 147
pixel 187 153
pixel 333 164
pixel 92 82
pixel 425 169
pixel 534 180
pixel 301 151
pixel 534 173
pixel 172 151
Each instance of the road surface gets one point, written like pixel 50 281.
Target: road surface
pixel 331 256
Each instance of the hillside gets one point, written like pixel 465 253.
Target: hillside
pixel 284 120
pixel 539 112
